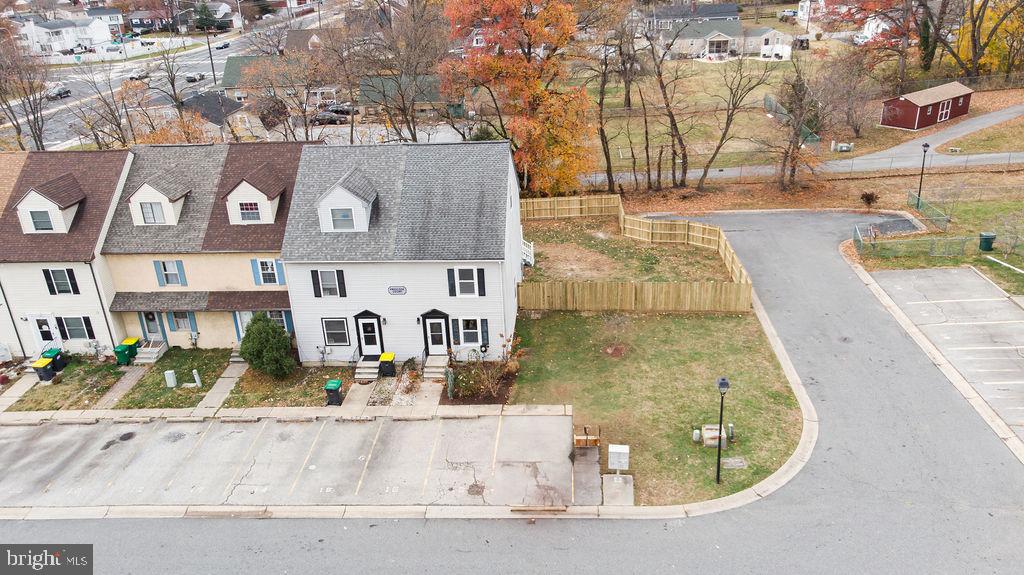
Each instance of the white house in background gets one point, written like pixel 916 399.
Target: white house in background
pixel 113 18
pixel 225 15
pixel 53 277
pixel 54 36
pixel 413 249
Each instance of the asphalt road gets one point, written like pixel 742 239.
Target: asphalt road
pixel 905 477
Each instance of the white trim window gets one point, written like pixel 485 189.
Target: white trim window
pixel 169 268
pixel 152 213
pixel 470 331
pixel 335 331
pixel 277 316
pixel 61 281
pixel 465 282
pixel 268 271
pixel 75 326
pixel 341 219
pixel 181 321
pixel 41 221
pixel 249 211
pixel 329 283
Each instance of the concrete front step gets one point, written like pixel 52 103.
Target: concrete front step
pixel 431 373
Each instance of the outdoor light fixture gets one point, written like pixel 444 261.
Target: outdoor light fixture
pixel 920 182
pixel 723 387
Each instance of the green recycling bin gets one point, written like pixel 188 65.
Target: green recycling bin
pixel 122 354
pixel 985 241
pixel 58 360
pixel 133 346
pixel 333 389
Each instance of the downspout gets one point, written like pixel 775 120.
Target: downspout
pixel 14 325
pixel 103 306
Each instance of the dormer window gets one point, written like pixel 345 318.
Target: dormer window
pixel 341 218
pixel 255 197
pixel 41 221
pixel 152 212
pixel 249 211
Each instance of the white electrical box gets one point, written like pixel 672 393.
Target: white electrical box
pixel 618 457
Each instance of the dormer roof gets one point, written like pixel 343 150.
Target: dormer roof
pixel 356 183
pixel 172 186
pixel 265 179
pixel 64 190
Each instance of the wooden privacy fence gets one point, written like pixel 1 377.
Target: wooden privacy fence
pixel 636 296
pixel 732 296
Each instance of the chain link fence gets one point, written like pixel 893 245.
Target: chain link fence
pixel 929 212
pixel 870 239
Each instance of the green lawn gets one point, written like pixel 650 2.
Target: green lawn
pixel 151 391
pixel 647 380
pixel 304 387
pixel 968 220
pixel 591 249
pixel 1005 137
pixel 82 383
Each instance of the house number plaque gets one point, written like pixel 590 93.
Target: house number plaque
pixel 396 290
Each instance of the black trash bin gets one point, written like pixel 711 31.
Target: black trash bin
pixel 44 369
pixel 985 241
pixel 333 390
pixel 387 364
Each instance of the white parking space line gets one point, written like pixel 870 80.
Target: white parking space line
pixel 309 454
pixel 993 370
pixel 497 439
pixel 430 460
pixel 369 456
pixel 955 300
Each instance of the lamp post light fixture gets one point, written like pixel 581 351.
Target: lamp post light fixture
pixel 723 387
pixel 920 182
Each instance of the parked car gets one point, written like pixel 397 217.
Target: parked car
pixel 222 45
pixel 58 92
pixel 195 76
pixel 344 109
pixel 861 39
pixel 791 13
pixel 329 118
pixel 138 74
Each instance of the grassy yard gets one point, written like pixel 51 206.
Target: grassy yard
pixel 304 387
pixel 1005 137
pixel 151 391
pixel 647 380
pixel 590 249
pixel 82 383
pixel 968 219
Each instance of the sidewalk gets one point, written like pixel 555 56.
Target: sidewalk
pixel 131 376
pixel 17 389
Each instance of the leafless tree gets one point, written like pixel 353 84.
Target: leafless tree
pixel 739 79
pixel 670 81
pixel 23 86
pixel 292 80
pixel 1011 231
pixel 268 38
pixel 169 80
pixel 848 85
pixel 103 115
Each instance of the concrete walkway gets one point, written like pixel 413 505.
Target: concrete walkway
pixel 18 389
pixel 956 131
pixel 131 376
pixel 221 389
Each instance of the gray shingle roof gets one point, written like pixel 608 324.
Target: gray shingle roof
pixel 196 167
pixel 159 301
pixel 359 185
pixel 694 29
pixel 434 202
pixel 172 186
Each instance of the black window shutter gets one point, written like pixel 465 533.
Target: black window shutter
pixel 316 283
pixel 480 289
pixel 71 278
pixel 49 282
pixel 341 283
pixel 455 330
pixel 62 328
pixel 92 335
pixel 483 331
pixel 451 282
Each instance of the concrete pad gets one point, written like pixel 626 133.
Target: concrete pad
pixel 33 463
pixel 398 463
pixel 533 410
pixel 529 471
pixel 617 489
pixel 375 410
pixel 154 469
pixel 275 457
pixel 210 472
pixel 461 466
pixel 333 466
pixel 258 411
pixel 230 411
pixel 586 476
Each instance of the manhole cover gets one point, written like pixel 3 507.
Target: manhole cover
pixel 734 463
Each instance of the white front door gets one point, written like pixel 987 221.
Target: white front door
pixel 944 108
pixel 152 323
pixel 244 317
pixel 46 333
pixel 436 341
pixel 369 335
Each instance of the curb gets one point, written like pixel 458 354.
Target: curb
pixel 1014 443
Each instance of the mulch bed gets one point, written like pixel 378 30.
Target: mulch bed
pixel 503 394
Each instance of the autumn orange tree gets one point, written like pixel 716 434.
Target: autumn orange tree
pixel 518 67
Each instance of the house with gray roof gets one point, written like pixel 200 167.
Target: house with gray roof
pixel 412 249
pixel 194 246
pixel 61 35
pixel 721 38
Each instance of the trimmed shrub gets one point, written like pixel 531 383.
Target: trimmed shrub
pixel 267 347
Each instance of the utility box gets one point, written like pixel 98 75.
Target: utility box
pixel 618 457
pixel 710 435
pixel 170 379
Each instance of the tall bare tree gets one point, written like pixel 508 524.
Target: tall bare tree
pixel 23 86
pixel 983 20
pixel 103 115
pixel 848 85
pixel 670 81
pixel 291 80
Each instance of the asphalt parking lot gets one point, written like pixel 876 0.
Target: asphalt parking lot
pixel 976 327
pixel 507 460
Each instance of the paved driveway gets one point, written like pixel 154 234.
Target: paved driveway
pixel 510 460
pixel 975 326
pixel 905 478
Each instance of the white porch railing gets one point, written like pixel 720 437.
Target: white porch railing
pixel 528 253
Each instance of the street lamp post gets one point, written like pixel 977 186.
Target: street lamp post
pixel 920 182
pixel 723 387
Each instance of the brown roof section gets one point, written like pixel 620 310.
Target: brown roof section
pixel 64 190
pixel 307 40
pixel 10 169
pixel 279 158
pixel 938 94
pixel 247 300
pixel 97 174
pixel 265 179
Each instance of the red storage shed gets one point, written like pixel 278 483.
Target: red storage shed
pixel 925 108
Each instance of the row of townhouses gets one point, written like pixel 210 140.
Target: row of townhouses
pixel 354 250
